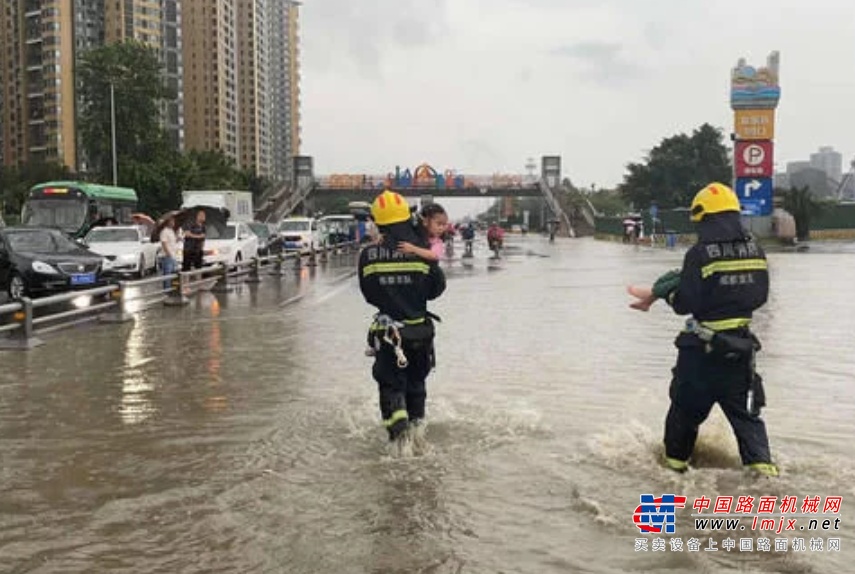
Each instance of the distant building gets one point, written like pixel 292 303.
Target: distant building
pixel 781 180
pixel 37 76
pixel 797 166
pixel 829 161
pixel 241 81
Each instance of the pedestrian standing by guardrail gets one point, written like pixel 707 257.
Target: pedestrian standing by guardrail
pixel 400 285
pixel 169 244
pixel 194 243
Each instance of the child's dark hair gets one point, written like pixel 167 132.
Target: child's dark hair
pixel 431 210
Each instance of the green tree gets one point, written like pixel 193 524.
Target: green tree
pixel 212 170
pixel 677 168
pixel 134 71
pixel 802 204
pixel 608 202
pixel 16 181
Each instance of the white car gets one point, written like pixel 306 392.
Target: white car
pixel 127 249
pixel 237 243
pixel 300 233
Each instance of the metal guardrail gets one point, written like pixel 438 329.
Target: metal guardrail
pixel 125 299
pixel 10 309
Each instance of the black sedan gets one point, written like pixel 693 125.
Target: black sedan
pixel 37 260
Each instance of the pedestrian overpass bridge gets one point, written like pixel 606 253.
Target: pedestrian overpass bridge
pixel 424 181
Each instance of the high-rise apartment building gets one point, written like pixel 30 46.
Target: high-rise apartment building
pixel 284 93
pixel 37 77
pixel 173 60
pixel 210 76
pixel 42 42
pixel 829 161
pixel 139 20
pixel 241 78
pixel 253 81
pixel 156 23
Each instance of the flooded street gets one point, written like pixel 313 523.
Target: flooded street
pixel 241 433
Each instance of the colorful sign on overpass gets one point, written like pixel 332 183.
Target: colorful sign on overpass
pixel 424 177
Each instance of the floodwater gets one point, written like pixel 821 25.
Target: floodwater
pixel 241 433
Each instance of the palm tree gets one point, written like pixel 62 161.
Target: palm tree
pixel 802 205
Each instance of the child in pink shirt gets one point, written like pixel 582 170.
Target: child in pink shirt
pixel 433 223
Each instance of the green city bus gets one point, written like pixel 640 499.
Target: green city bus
pixel 73 205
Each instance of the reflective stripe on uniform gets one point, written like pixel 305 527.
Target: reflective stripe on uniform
pixel 764 468
pixel 396 267
pixel 379 327
pixel 732 266
pixel 399 415
pixel 726 324
pixel 676 464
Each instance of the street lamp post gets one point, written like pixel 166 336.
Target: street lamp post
pixel 113 132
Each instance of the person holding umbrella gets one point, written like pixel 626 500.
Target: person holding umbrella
pixel 169 245
pixel 194 242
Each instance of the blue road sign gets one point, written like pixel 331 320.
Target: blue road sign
pixel 755 195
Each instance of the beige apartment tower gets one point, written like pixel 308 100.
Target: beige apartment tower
pixel 42 42
pixel 156 23
pixel 140 20
pixel 284 92
pixel 210 76
pixel 241 78
pixel 253 82
pixel 37 79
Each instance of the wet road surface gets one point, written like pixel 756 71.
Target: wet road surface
pixel 241 433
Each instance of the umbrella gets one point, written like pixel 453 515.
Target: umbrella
pixel 215 217
pixel 161 223
pixel 143 220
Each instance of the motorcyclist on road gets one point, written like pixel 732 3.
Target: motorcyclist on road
pixel 495 237
pixel 468 235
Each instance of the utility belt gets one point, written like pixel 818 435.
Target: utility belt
pixel 730 338
pixel 413 334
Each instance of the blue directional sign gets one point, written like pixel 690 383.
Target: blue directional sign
pixel 755 195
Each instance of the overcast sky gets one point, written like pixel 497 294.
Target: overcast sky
pixel 482 85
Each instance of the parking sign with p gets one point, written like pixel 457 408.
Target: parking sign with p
pixel 753 158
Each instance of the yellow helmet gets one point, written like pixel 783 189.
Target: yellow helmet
pixel 714 198
pixel 390 207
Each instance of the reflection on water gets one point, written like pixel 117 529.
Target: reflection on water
pixel 215 401
pixel 136 405
pixel 248 437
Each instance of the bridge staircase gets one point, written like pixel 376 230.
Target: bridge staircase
pixel 282 201
pixel 566 228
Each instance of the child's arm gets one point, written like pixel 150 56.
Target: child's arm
pixel 407 247
pixel 662 288
pixel 644 297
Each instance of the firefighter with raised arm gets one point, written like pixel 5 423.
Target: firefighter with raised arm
pixel 399 285
pixel 724 279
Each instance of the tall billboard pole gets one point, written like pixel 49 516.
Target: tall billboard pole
pixel 754 97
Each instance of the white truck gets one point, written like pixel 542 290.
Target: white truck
pixel 239 203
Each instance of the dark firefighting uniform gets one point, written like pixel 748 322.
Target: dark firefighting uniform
pixel 400 285
pixel 724 279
